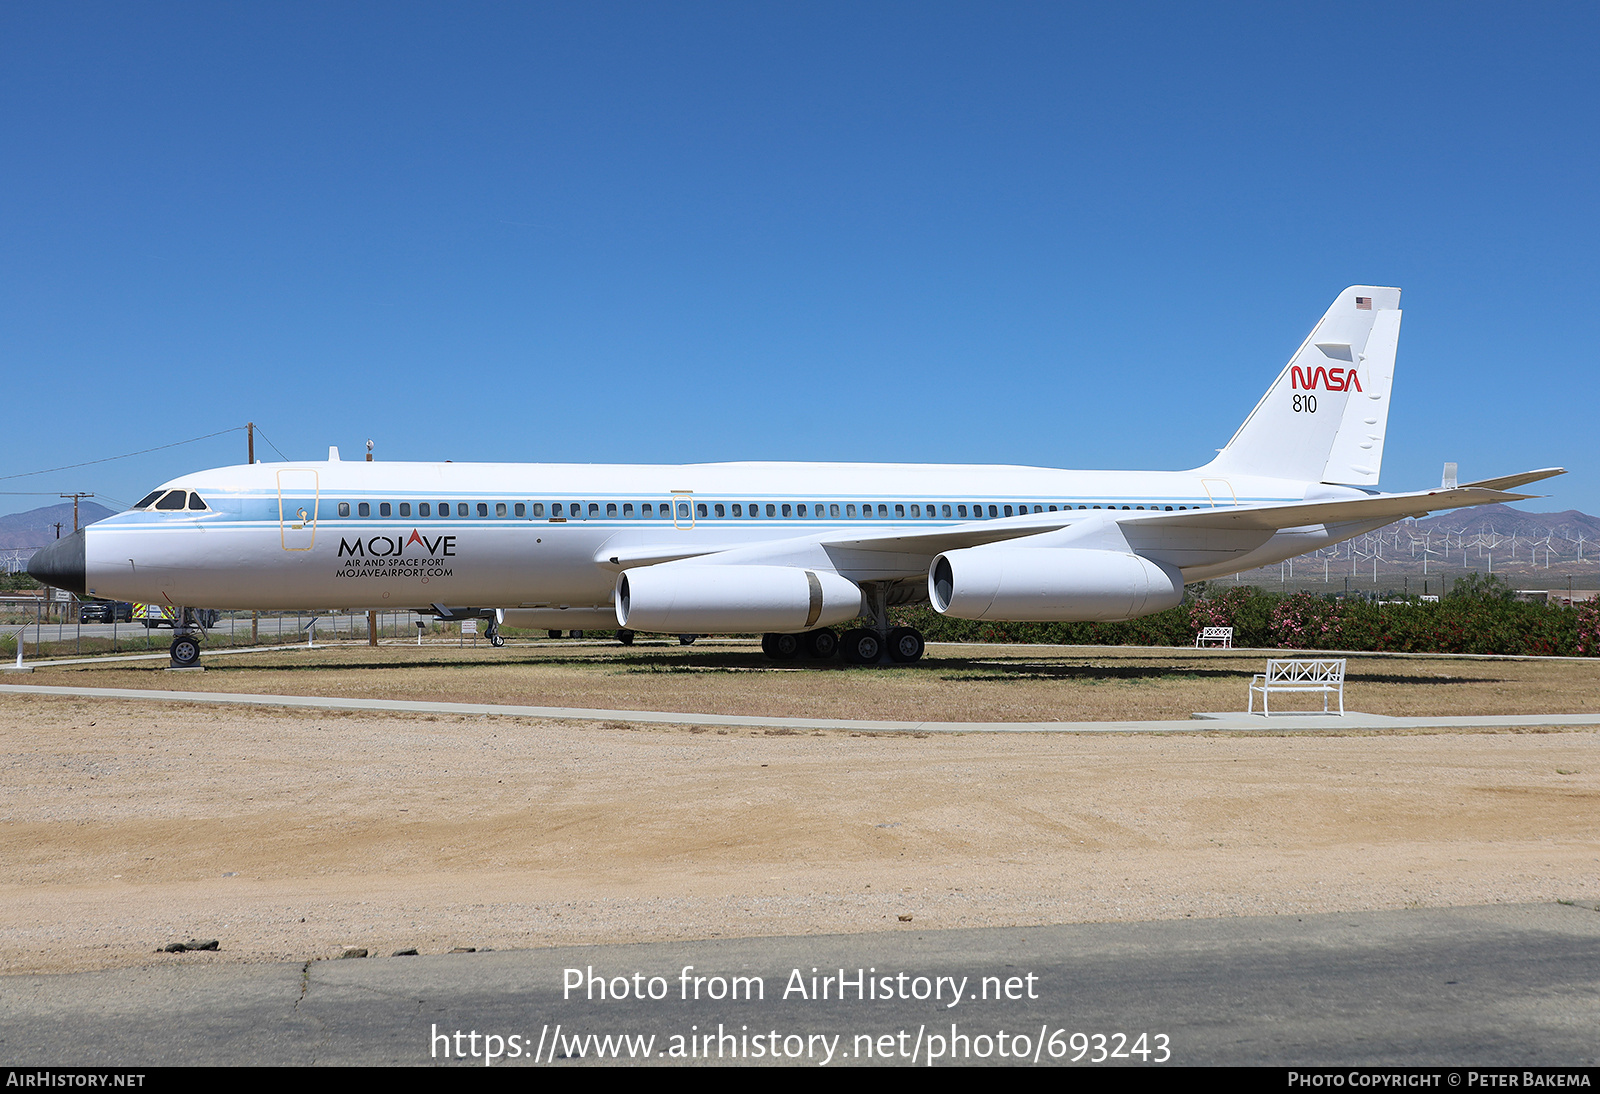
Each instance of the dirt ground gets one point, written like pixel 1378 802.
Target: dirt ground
pixel 291 835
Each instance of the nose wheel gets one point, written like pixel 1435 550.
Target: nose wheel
pixel 185 652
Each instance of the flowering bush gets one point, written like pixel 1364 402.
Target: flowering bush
pixel 1588 626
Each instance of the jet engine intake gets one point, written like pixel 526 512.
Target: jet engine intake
pixel 733 599
pixel 1050 584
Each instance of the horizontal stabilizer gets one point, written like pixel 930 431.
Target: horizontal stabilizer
pixel 1388 507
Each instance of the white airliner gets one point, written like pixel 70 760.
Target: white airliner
pixel 787 549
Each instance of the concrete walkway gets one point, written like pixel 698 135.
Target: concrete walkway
pixel 1198 723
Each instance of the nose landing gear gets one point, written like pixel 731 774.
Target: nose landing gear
pixel 188 629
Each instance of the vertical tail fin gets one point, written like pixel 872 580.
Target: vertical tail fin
pixel 1323 418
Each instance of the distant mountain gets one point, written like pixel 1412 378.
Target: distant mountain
pixel 1506 521
pixel 37 527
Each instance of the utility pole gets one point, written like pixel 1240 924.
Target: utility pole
pixel 250 441
pixel 75 498
pixel 372 615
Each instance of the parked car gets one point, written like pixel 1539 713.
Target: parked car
pixel 105 611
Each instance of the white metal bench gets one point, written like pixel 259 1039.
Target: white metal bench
pixel 1214 636
pixel 1324 674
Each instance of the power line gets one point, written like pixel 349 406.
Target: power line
pixel 275 448
pixel 126 455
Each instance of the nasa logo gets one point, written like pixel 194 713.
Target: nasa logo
pixel 1332 379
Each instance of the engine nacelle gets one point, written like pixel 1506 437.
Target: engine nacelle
pixel 1050 584
pixel 733 599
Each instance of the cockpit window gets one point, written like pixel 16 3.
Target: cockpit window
pixel 174 500
pixel 195 502
pixel 148 498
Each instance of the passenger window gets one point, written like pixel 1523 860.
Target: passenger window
pixel 720 509
pixel 537 509
pixel 945 509
pixel 738 510
pixel 786 509
pixel 175 500
pixel 444 509
pixel 833 509
pixel 364 509
pixel 423 510
pixel 483 508
pixel 499 508
pixel 1008 510
pixel 772 510
pixel 916 511
pixel 850 510
pixel 683 510
pixel 344 509
pixel 385 509
pixel 462 509
pixel 611 508
pixel 700 509
pixel 899 510
pixel 555 509
pixel 961 510
pixel 627 509
pixel 993 512
pixel 799 510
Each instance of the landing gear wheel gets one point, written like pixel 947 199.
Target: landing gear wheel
pixel 687 639
pixel 781 647
pixel 555 634
pixel 821 644
pixel 906 645
pixel 492 633
pixel 185 652
pixel 861 647
pixel 625 637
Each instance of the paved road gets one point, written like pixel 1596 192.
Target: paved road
pixel 1507 985
pixel 287 627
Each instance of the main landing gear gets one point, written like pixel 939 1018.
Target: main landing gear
pixel 902 645
pixel 865 646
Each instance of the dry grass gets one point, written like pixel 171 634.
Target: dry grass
pixel 953 683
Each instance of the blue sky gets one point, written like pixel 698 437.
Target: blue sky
pixel 1070 235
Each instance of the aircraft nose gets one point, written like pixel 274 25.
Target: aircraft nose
pixel 61 564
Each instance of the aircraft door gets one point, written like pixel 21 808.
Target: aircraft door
pixel 1219 492
pixel 298 496
pixel 683 509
